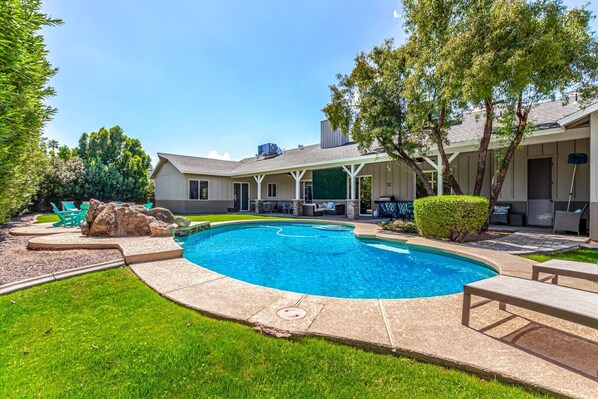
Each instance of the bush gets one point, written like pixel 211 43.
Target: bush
pixel 450 216
pixel 399 226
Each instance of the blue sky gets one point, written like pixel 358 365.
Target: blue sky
pixel 198 77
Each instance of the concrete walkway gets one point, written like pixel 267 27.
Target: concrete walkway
pixel 532 241
pixel 514 345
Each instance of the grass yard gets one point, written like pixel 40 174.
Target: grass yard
pixel 107 334
pixel 219 217
pixel 580 255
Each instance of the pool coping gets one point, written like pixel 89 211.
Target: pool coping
pixel 427 329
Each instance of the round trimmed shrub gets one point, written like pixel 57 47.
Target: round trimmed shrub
pixel 450 216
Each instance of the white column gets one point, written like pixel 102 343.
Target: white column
pixel 298 175
pixel 438 167
pixel 352 174
pixel 259 179
pixel 593 176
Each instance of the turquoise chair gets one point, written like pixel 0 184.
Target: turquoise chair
pixel 148 206
pixel 66 218
pixel 69 206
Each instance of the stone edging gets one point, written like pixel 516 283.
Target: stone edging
pixel 63 274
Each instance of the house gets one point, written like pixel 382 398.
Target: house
pixel 537 184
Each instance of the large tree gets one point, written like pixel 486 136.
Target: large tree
pixel 116 167
pixel 370 103
pixel 24 75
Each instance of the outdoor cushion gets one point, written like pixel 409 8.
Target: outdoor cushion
pixel 330 205
pixel 501 210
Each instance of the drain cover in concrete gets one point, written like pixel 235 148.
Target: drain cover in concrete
pixel 291 313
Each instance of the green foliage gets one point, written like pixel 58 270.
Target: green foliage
pixel 403 227
pixel 329 184
pixel 107 165
pixel 108 335
pixel 450 216
pixel 116 167
pixel 24 76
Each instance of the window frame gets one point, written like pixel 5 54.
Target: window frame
pixel 199 181
pixel 268 191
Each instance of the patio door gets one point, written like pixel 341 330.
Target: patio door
pixel 241 197
pixel 539 192
pixel 308 192
pixel 364 186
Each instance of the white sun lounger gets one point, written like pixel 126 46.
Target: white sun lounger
pixel 586 271
pixel 554 300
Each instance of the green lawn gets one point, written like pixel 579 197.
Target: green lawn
pixel 107 334
pixel 221 217
pixel 580 255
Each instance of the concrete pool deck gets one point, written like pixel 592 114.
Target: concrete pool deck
pixel 516 345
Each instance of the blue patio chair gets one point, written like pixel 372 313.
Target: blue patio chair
pixel 148 206
pixel 66 218
pixel 388 209
pixel 68 206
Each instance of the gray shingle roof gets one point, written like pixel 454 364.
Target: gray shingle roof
pixel 543 116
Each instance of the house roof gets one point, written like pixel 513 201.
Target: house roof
pixel 543 116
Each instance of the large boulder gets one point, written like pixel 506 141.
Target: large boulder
pixel 161 214
pixel 182 221
pixel 119 220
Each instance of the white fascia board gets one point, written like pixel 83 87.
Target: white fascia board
pixel 578 115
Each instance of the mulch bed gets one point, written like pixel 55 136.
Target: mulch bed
pixel 18 263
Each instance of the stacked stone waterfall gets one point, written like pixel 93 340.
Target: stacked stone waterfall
pixel 120 220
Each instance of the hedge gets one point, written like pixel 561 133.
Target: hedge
pixel 450 216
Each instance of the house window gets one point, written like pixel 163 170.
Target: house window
pixel 198 189
pixel 271 190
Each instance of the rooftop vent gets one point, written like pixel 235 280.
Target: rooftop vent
pixel 300 146
pixel 268 150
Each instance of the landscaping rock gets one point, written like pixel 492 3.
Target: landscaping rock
pixel 182 221
pixel 161 214
pixel 161 229
pixel 118 220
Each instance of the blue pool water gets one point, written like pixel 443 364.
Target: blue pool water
pixel 328 260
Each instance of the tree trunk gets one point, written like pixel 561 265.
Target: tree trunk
pixel 421 176
pixel 484 144
pixel 506 161
pixel 446 167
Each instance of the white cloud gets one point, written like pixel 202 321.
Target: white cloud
pixel 214 154
pixel 396 15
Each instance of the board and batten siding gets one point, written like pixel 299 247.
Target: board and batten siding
pixel 219 188
pixel 390 179
pixel 170 183
pixel 515 185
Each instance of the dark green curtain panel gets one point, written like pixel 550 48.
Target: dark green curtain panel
pixel 329 184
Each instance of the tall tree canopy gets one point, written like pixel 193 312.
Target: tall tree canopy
pixel 117 168
pixel 24 76
pixel 107 165
pixel 504 55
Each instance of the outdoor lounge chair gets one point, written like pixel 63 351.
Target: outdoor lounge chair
pixel 557 267
pixel 66 218
pixel 68 206
pixel 287 207
pixel 500 213
pixel 405 210
pixel 568 221
pixel 565 303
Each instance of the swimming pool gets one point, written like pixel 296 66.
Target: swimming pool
pixel 328 260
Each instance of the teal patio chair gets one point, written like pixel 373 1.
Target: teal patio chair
pixel 69 206
pixel 148 206
pixel 83 212
pixel 66 218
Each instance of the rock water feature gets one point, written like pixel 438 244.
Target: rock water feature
pixel 120 220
